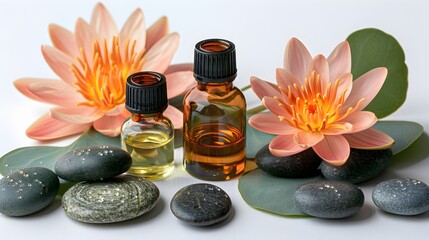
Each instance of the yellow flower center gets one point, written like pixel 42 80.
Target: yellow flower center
pixel 313 108
pixel 101 81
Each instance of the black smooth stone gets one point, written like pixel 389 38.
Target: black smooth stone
pixel 362 165
pixel 402 196
pixel 303 164
pixel 329 199
pixel 93 163
pixel 27 191
pixel 201 204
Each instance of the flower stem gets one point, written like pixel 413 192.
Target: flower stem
pixel 256 109
pixel 245 88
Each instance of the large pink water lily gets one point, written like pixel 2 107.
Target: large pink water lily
pixel 93 64
pixel 317 104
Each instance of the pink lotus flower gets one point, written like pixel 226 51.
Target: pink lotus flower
pixel 93 64
pixel 317 104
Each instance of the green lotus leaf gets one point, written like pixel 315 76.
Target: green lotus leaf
pixel 46 156
pixel 272 194
pixel 372 48
pixel 403 132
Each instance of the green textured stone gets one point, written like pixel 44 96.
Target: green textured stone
pixel 114 200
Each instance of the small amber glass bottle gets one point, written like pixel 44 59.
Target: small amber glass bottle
pixel 148 135
pixel 214 115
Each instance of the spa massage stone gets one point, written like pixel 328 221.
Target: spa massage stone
pixel 329 199
pixel 92 163
pixel 113 200
pixel 27 191
pixel 402 196
pixel 361 166
pixel 201 204
pixel 303 164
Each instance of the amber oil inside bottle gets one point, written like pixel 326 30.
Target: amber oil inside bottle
pixel 148 135
pixel 214 120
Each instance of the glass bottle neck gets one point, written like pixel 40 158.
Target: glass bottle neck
pixel 215 87
pixel 138 117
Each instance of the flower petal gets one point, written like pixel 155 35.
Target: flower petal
pixel 361 120
pixel 370 138
pixel 263 88
pixel 320 66
pixel 103 24
pixel 123 111
pixel 307 139
pixel 85 37
pixel 63 40
pixel 285 78
pixel 273 105
pixel 76 115
pixel 156 32
pixel 134 30
pixel 270 123
pixel 49 91
pixel 160 55
pixel 338 128
pixel 175 115
pixel 179 83
pixel 340 61
pixel 48 128
pixel 282 146
pixel 345 84
pixel 333 149
pixel 179 68
pixel 366 86
pixel 59 63
pixel 297 59
pixel 109 125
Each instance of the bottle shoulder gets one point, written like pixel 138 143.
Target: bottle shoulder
pixel 234 95
pixel 161 123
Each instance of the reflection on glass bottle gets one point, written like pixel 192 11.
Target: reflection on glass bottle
pixel 214 115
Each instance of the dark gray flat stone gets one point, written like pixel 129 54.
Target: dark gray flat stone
pixel 402 196
pixel 201 204
pixel 93 163
pixel 27 191
pixel 303 164
pixel 113 200
pixel 361 166
pixel 329 199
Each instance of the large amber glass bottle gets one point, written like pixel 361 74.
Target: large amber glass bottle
pixel 214 115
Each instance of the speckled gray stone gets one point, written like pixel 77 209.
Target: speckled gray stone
pixel 201 204
pixel 329 199
pixel 361 166
pixel 93 163
pixel 115 200
pixel 402 196
pixel 27 191
pixel 303 164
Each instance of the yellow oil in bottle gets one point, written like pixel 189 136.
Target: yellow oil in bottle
pixel 152 153
pixel 214 151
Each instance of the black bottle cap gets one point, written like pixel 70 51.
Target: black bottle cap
pixel 146 92
pixel 214 61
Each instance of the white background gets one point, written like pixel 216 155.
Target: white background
pixel 260 30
